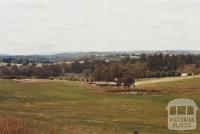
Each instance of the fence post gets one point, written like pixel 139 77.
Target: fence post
pixel 136 132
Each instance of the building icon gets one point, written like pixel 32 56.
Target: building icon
pixel 182 114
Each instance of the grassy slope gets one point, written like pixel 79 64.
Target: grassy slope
pixel 60 105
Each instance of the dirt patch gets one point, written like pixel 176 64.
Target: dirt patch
pixel 29 81
pixel 120 90
pixel 135 91
pixel 32 81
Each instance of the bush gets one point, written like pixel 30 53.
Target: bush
pixel 177 74
pixel 51 78
pixel 9 77
pixel 13 77
pixel 160 74
pixel 189 74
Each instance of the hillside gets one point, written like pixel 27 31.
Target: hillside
pixel 90 55
pixel 69 107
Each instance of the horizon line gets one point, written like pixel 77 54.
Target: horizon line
pixel 96 51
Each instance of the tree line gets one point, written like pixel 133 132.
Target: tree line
pixel 157 65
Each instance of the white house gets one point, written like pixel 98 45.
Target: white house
pixel 184 74
pixel 81 62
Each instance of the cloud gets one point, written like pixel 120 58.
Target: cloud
pixel 32 6
pixel 27 4
pixel 36 26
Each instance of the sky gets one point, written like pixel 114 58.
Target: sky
pixel 54 26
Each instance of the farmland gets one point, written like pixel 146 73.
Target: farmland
pixel 70 107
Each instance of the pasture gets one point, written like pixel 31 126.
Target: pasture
pixel 64 107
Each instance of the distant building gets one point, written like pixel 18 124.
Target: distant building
pixel 39 65
pixel 18 65
pixel 69 62
pixel 107 61
pixel 81 62
pixel 2 64
pixel 184 74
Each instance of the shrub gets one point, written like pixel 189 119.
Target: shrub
pixel 9 77
pixel 51 78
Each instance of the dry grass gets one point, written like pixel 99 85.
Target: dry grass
pixel 13 126
pixel 90 130
pixel 10 125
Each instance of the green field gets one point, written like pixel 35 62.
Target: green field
pixel 68 107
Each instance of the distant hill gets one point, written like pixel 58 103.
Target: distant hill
pixel 2 55
pixel 88 55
